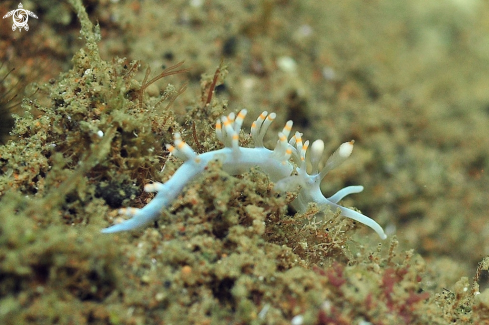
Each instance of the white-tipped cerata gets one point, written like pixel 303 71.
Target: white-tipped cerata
pixel 346 149
pixel 317 149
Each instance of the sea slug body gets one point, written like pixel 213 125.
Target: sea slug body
pixel 235 160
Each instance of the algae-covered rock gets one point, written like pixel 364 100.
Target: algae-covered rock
pixel 53 274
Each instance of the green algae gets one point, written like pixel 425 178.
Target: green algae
pixel 50 272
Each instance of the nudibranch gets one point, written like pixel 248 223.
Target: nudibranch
pixel 276 163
